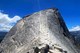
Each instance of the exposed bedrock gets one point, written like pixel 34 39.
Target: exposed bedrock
pixel 41 32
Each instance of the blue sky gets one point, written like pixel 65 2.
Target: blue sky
pixel 16 9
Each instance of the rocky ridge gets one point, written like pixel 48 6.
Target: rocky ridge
pixel 41 32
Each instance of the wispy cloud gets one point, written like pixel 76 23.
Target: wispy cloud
pixel 76 28
pixel 6 22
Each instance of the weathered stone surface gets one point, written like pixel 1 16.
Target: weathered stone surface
pixel 41 32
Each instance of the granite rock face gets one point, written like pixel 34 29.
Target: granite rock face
pixel 41 32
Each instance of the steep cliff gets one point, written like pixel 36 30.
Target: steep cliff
pixel 41 32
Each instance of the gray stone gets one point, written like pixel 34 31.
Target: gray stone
pixel 42 28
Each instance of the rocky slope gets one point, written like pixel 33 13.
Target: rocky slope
pixel 41 32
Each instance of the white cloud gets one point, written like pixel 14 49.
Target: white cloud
pixel 6 22
pixel 5 27
pixel 76 28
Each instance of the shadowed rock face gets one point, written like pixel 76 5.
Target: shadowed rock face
pixel 41 32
